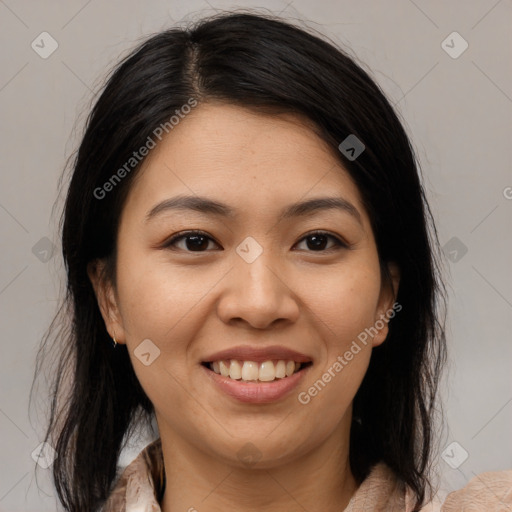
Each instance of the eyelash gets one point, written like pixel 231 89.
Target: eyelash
pixel 339 244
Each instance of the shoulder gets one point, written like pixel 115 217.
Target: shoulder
pixel 141 484
pixel 383 491
pixel 490 491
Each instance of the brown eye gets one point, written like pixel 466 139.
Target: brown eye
pixel 194 241
pixel 318 240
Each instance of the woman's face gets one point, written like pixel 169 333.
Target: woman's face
pixel 256 280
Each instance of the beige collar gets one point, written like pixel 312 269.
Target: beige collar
pixel 140 489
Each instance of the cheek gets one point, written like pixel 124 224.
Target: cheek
pixel 157 297
pixel 344 306
pixel 160 303
pixel 346 303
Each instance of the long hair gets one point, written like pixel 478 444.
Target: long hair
pixel 272 66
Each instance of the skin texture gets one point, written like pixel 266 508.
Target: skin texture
pixel 191 303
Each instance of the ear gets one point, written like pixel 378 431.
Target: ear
pixel 387 308
pixel 107 300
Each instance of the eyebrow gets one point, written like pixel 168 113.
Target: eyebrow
pixel 209 206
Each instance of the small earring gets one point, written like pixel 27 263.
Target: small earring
pixel 115 342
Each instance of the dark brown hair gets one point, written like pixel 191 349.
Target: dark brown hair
pixel 263 63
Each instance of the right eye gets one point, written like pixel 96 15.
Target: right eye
pixel 194 241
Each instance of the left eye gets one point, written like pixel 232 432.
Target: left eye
pixel 319 241
pixel 197 241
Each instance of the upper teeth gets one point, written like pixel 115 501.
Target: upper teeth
pixel 250 370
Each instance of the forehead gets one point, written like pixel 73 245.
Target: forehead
pixel 250 160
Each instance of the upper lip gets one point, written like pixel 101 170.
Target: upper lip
pixel 258 354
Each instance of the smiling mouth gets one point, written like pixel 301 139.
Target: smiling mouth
pixel 266 371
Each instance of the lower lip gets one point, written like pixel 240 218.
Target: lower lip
pixel 257 392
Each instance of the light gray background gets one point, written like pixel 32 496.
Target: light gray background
pixel 458 112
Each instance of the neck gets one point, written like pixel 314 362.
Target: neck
pixel 317 479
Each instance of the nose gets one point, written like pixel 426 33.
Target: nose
pixel 258 295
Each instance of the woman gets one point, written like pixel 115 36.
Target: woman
pixel 246 221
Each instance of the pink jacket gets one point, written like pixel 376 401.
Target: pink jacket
pixel 140 489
